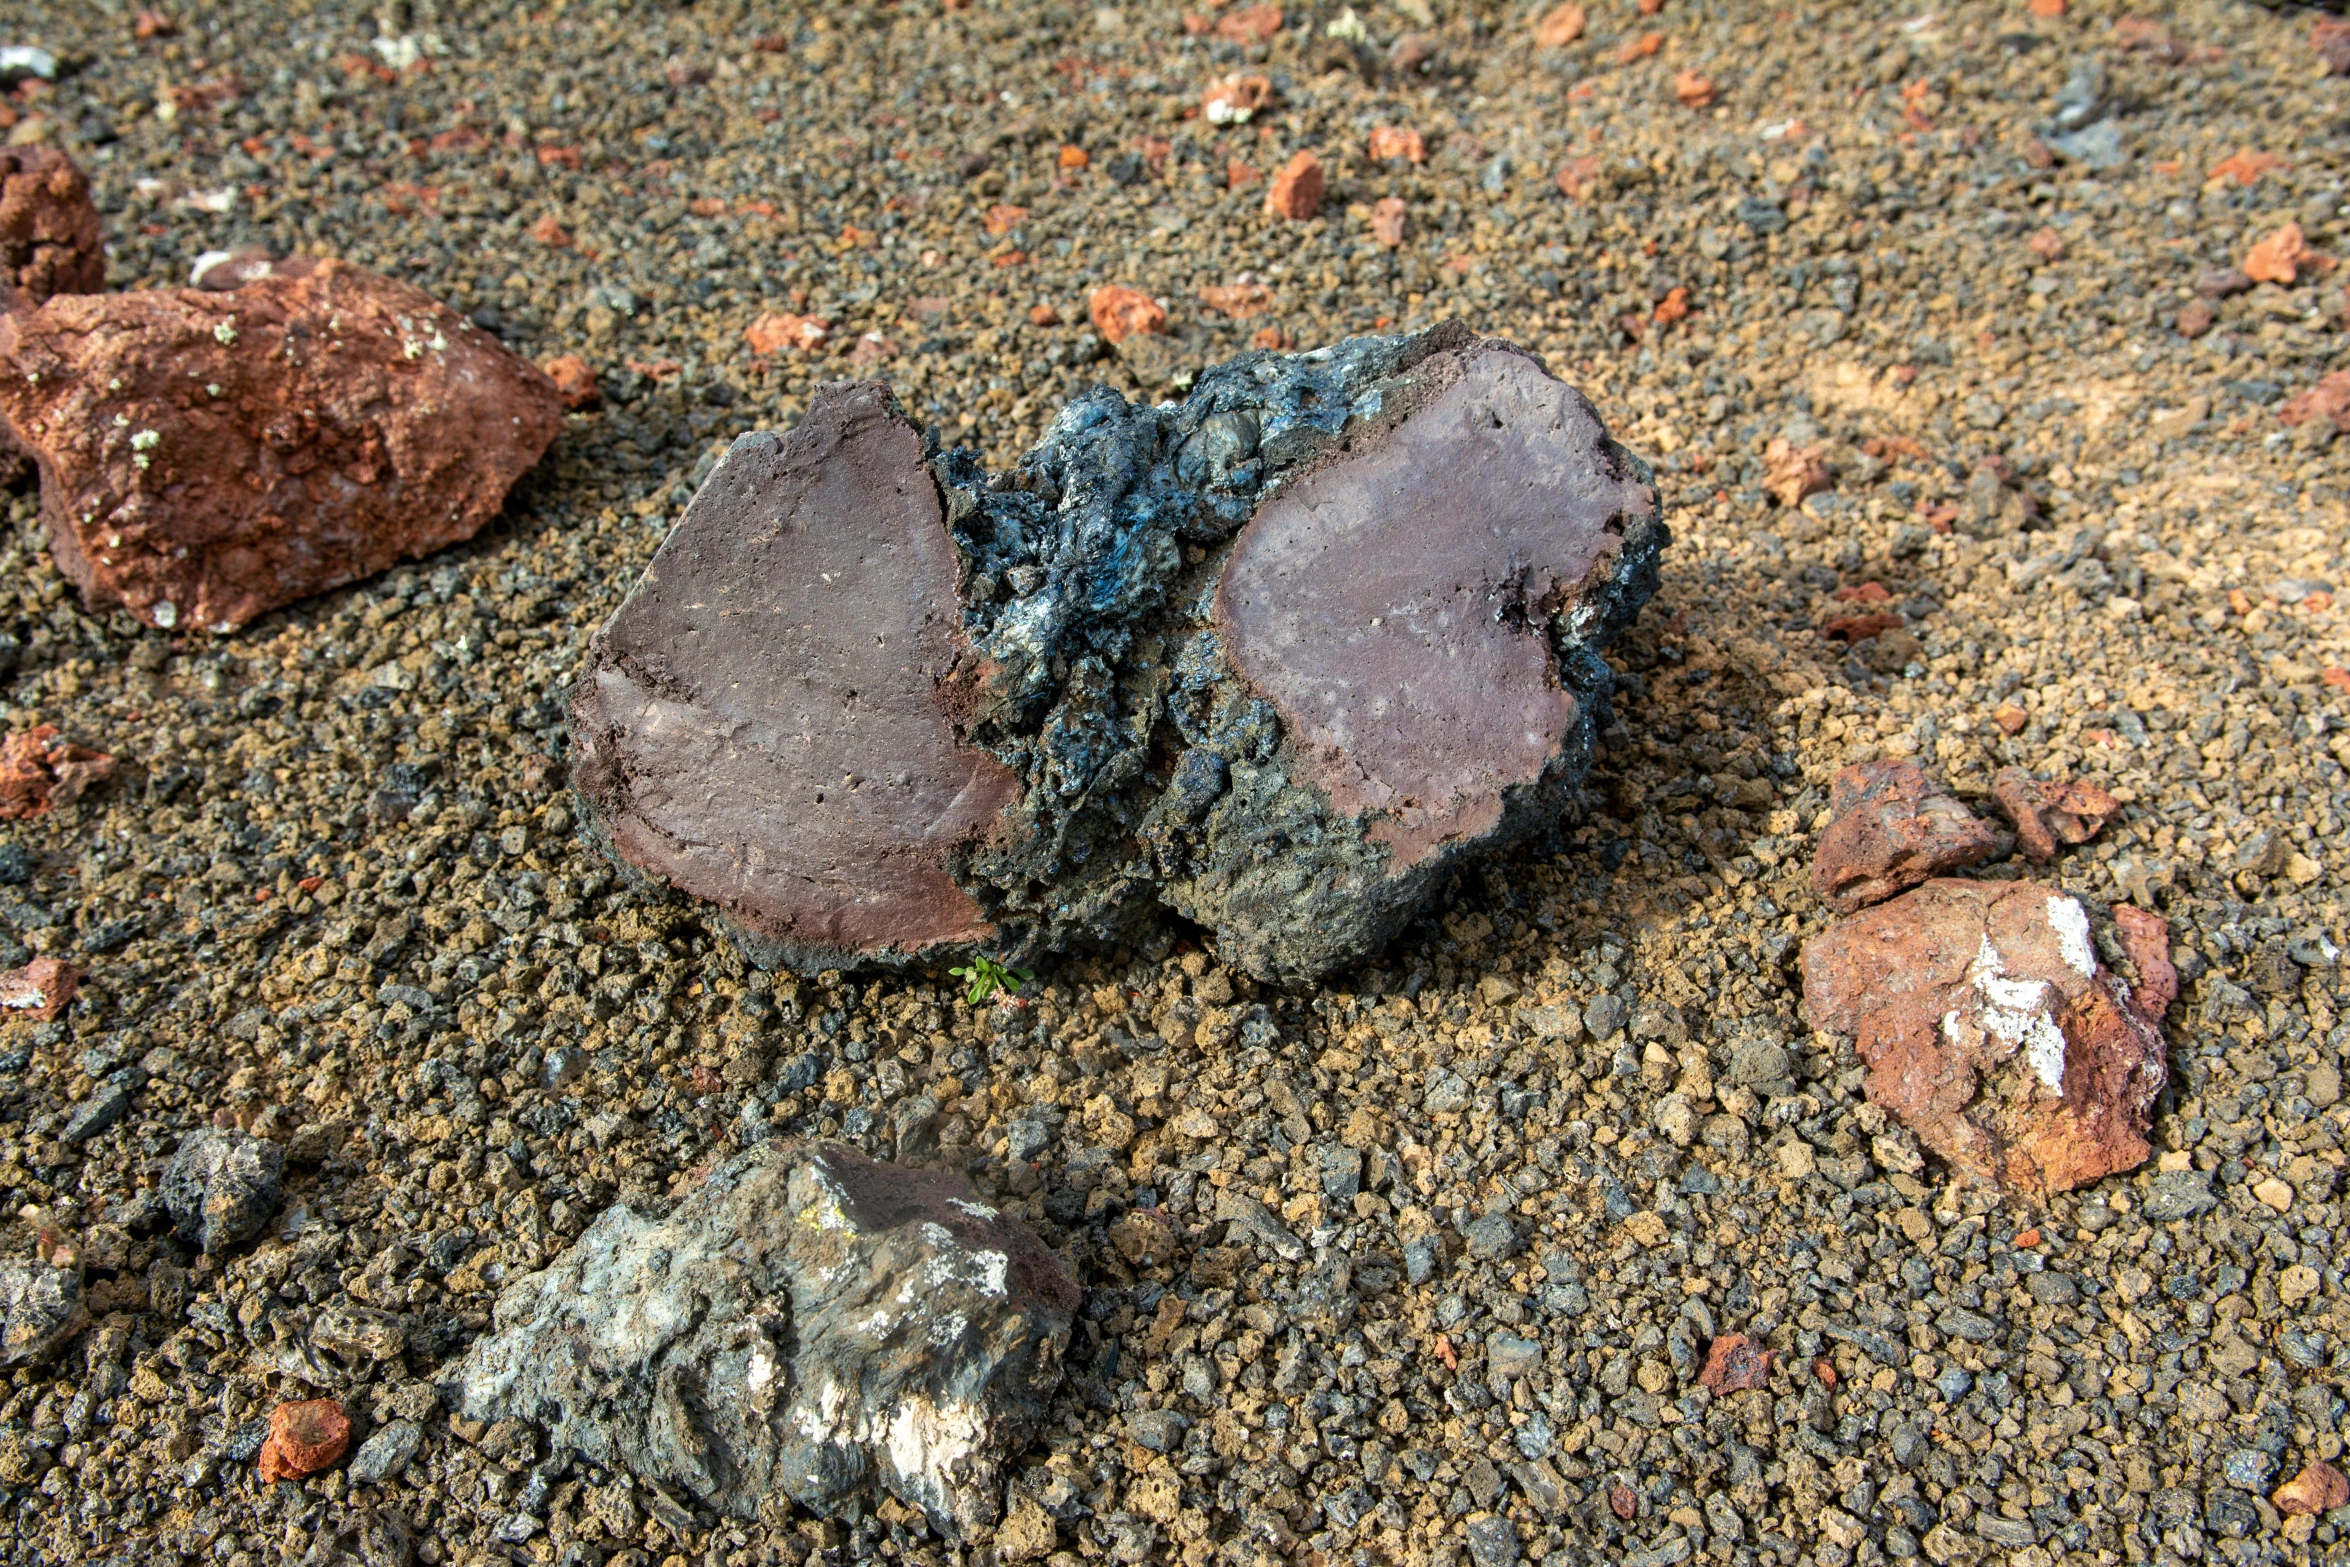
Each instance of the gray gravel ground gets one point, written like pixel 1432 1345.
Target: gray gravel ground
pixel 1418 1268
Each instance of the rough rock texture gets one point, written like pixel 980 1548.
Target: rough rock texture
pixel 1277 658
pixel 208 456
pixel 2048 814
pixel 42 989
pixel 760 723
pixel 1992 1031
pixel 222 1186
pixel 40 1308
pixel 304 1438
pixel 51 241
pixel 38 770
pixel 809 1321
pixel 1893 828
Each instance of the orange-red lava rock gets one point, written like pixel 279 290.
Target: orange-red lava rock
pixel 1991 1030
pixel 2319 1488
pixel 1735 1364
pixel 207 457
pixel 51 241
pixel 575 380
pixel 42 989
pixel 38 770
pixel 1893 828
pixel 2046 814
pixel 304 1438
pixel 1296 192
pixel 2145 939
pixel 1119 313
pixel 1792 472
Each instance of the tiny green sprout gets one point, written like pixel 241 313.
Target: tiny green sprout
pixel 986 976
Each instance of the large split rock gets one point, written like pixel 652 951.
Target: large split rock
pixel 809 1322
pixel 1891 828
pixel 1277 658
pixel 208 456
pixel 1991 1029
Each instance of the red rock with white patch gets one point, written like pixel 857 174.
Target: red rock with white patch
pixel 207 456
pixel 1992 1031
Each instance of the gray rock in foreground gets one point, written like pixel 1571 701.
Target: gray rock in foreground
pixel 810 1322
pixel 1277 659
pixel 40 1308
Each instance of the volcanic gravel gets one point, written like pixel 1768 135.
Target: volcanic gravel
pixel 1423 1265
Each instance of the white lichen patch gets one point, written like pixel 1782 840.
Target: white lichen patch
pixel 225 332
pixel 2015 1012
pixel 977 1210
pixel 2071 923
pixel 143 443
pixel 928 1442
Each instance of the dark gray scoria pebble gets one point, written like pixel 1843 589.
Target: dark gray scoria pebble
pixel 102 1110
pixel 222 1186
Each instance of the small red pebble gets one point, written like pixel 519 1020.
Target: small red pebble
pixel 152 24
pixel 1651 7
pixel 304 1438
pixel 1560 26
pixel 550 233
pixel 1074 157
pixel 776 332
pixel 2048 10
pixel 1640 48
pixel 2010 718
pixel 41 990
pixel 1735 1364
pixel 1695 89
pixel 2047 244
pixel 2239 601
pixel 2336 676
pixel 1043 315
pixel 1673 307
pixel 311 883
pixel 1825 1371
pixel 2027 1239
pixel 1864 593
pixel 1387 221
pixel 1444 1351
pixel 1397 141
pixel 1255 25
pixel 574 378
pixel 1118 313
pixel 1622 1502
pixel 1296 192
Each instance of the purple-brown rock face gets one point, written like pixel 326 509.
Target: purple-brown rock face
pixel 51 241
pixel 762 723
pixel 1394 605
pixel 207 457
pixel 1277 659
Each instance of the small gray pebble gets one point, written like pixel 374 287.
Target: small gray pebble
pixel 1953 1383
pixel 1604 1016
pixel 97 1113
pixel 382 1456
pixel 2250 1469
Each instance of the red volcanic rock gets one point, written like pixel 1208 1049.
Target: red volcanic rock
pixel 209 456
pixel 1892 829
pixel 42 989
pixel 2046 814
pixel 1991 1030
pixel 762 722
pixel 38 770
pixel 50 239
pixel 2145 938
pixel 2318 1488
pixel 1735 1364
pixel 304 1438
pixel 1296 192
pixel 1402 650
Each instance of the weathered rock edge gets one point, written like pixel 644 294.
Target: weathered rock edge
pixel 809 1321
pixel 1277 658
